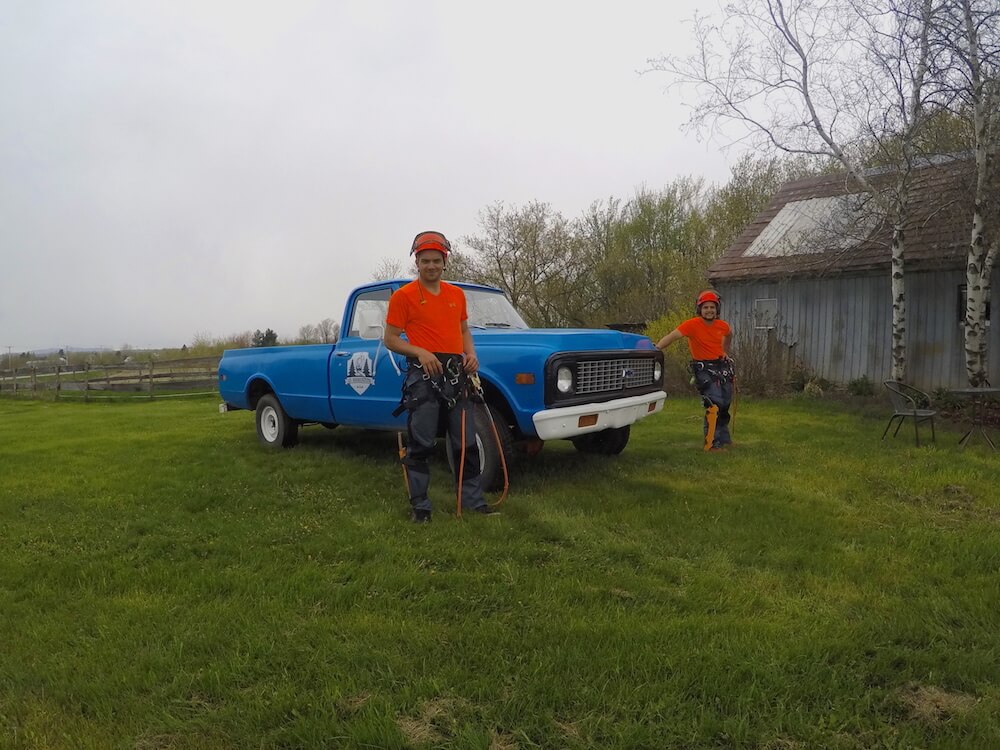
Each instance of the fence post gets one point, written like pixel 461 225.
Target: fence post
pixel 58 381
pixel 14 375
pixel 151 377
pixel 34 382
pixel 86 382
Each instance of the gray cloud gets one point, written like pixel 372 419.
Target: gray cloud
pixel 173 168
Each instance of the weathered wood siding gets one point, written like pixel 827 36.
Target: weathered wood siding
pixel 839 327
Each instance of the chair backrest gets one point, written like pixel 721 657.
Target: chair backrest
pixel 905 397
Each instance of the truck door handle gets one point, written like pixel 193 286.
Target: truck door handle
pixel 343 354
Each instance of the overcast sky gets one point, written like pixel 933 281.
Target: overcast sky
pixel 173 168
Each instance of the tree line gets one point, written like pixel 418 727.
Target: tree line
pixel 622 261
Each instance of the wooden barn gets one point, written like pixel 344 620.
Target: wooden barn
pixel 811 275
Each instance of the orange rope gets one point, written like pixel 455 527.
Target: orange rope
pixel 503 459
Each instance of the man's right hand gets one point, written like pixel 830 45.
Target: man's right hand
pixel 430 364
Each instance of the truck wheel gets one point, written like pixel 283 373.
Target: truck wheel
pixel 274 428
pixel 608 442
pixel 490 467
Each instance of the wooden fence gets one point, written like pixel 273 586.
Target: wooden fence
pixel 150 379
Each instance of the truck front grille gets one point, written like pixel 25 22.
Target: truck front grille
pixel 604 375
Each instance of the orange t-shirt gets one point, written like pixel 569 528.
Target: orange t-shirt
pixel 704 338
pixel 432 322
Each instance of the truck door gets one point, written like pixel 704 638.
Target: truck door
pixel 364 382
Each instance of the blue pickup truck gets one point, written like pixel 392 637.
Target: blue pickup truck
pixel 588 386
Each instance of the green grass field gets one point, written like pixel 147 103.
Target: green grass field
pixel 167 583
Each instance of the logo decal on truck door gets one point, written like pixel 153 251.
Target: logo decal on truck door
pixel 360 372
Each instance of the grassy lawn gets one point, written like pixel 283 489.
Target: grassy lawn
pixel 167 583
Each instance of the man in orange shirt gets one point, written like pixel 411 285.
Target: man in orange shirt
pixel 441 356
pixel 709 338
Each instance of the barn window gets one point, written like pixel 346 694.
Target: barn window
pixel 765 313
pixel 963 296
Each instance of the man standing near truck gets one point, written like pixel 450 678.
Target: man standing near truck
pixel 441 356
pixel 709 338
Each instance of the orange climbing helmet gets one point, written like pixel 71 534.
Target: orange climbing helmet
pixel 430 241
pixel 709 295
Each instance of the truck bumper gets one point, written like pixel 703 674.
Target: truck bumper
pixel 570 421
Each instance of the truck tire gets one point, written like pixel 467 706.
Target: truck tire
pixel 608 442
pixel 490 467
pixel 274 427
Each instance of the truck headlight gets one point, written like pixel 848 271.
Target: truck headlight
pixel 564 379
pixel 657 371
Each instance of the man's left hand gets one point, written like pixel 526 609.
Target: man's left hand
pixel 471 363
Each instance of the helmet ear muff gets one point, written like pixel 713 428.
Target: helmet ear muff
pixel 430 241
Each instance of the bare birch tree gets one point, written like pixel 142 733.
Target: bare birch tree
pixel 970 31
pixel 307 335
pixel 821 78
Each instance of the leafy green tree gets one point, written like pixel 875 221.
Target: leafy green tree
pixel 620 261
pixel 653 253
pixel 267 338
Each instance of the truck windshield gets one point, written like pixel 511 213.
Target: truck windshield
pixel 491 310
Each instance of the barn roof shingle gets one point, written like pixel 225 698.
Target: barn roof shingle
pixel 937 233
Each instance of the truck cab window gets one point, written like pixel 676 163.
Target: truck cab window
pixel 491 310
pixel 368 316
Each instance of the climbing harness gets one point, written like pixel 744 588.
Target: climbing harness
pixel 446 387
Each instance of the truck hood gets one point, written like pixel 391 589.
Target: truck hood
pixel 560 339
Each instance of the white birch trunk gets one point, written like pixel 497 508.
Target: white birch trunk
pixel 898 289
pixel 978 273
pixel 977 281
pixel 982 254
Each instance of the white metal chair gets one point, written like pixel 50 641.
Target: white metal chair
pixel 911 402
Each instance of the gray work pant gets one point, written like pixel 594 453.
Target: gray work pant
pixel 422 428
pixel 717 391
